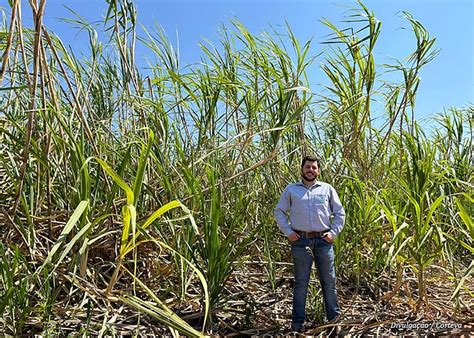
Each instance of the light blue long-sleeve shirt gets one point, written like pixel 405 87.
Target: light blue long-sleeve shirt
pixel 309 209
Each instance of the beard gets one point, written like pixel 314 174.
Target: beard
pixel 312 179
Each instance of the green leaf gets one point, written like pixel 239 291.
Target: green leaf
pixel 433 207
pixel 169 206
pixel 129 221
pixel 460 242
pixel 117 179
pixel 67 229
pixel 463 279
pixel 465 217
pixel 6 297
pixel 141 167
pixel 71 243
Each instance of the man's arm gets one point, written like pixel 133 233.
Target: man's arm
pixel 281 213
pixel 338 213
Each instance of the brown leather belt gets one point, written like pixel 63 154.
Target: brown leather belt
pixel 310 234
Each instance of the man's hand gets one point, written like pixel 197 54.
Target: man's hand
pixel 328 237
pixel 293 237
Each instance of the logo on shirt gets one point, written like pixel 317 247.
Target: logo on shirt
pixel 320 199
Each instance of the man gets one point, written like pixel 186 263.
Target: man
pixel 311 215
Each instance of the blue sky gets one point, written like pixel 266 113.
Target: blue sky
pixel 448 81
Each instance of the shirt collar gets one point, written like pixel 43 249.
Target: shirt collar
pixel 315 184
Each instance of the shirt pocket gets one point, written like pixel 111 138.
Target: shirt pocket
pixel 321 208
pixel 320 200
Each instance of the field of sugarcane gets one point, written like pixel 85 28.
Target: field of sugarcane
pixel 140 201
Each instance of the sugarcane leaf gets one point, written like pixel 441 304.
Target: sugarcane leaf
pixel 117 179
pixel 141 167
pixel 64 233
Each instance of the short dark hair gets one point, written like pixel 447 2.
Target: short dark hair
pixel 311 159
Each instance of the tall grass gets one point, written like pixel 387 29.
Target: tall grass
pixel 107 171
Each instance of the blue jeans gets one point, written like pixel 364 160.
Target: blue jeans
pixel 304 251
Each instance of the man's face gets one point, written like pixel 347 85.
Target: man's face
pixel 310 171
